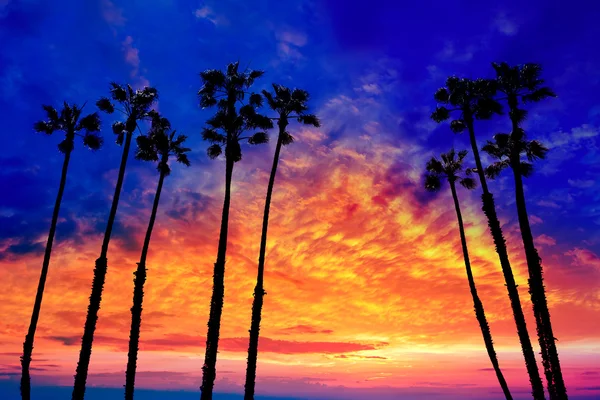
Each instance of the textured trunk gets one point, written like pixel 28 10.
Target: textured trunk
pixel 489 209
pixel 209 369
pixel 98 285
pixel 259 291
pixel 138 298
pixel 28 344
pixel 479 310
pixel 550 361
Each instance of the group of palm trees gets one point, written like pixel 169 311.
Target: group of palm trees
pixel 481 99
pixel 238 120
pixel 237 114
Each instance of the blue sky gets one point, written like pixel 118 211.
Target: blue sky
pixel 371 68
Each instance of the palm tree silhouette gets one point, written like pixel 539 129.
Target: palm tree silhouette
pixel 448 169
pixel 522 84
pixel 69 122
pixel 473 99
pixel 225 89
pixel 135 107
pixel 158 145
pixel 289 104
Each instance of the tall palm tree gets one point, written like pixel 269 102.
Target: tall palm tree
pixel 473 99
pixel 135 106
pixel 448 169
pixel 225 89
pixel 69 122
pixel 522 84
pixel 158 145
pixel 288 104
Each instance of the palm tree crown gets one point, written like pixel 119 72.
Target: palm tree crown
pixel 160 143
pixel 507 149
pixel 290 104
pixel 136 105
pixel 69 122
pixel 448 168
pixel 225 90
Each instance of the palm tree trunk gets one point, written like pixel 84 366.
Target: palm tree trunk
pixel 28 344
pixel 259 291
pixel 98 285
pixel 138 298
pixel 550 361
pixel 479 310
pixel 209 369
pixel 489 209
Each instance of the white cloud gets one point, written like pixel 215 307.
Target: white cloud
pixel 504 25
pixel 450 54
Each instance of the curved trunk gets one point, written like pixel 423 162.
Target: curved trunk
pixel 479 310
pixel 489 209
pixel 37 305
pixel 209 369
pixel 550 361
pixel 138 298
pixel 259 291
pixel 98 285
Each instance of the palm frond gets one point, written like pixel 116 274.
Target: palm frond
pixel 214 151
pixel 44 127
pixel 434 166
pixel 493 170
pixel 66 146
pixel 440 114
pixel 286 139
pixel 104 104
pixel 309 119
pixel 538 95
pixel 118 92
pixel 89 123
pixel 535 150
pixel 213 136
pixel 93 141
pixel 432 182
pixel 457 126
pixel 146 149
pixel 255 100
pixel 526 169
pixel 273 104
pixel 442 95
pixel 118 127
pixel 468 183
pixel 51 113
pixel 259 138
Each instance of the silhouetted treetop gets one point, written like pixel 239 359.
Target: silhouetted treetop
pixel 450 165
pixel 69 122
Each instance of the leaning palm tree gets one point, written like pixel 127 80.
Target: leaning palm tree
pixel 448 169
pixel 225 89
pixel 473 99
pixel 289 105
pixel 158 145
pixel 522 84
pixel 136 106
pixel 69 122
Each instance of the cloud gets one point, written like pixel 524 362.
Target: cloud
pixel 581 183
pixel 132 58
pixel 450 54
pixel 584 258
pixel 289 43
pixel 208 14
pixel 505 25
pixel 304 329
pixel 545 240
pixel 112 14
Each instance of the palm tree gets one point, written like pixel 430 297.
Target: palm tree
pixel 473 99
pixel 448 169
pixel 69 122
pixel 135 107
pixel 288 104
pixel 158 145
pixel 522 84
pixel 225 89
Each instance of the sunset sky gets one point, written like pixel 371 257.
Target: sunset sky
pixel 367 291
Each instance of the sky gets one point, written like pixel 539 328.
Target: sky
pixel 367 292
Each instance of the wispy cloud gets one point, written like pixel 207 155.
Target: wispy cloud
pixel 503 24
pixel 207 13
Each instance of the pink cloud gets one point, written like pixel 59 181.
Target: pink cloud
pixel 545 240
pixel 111 13
pixel 584 258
